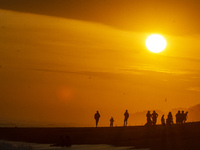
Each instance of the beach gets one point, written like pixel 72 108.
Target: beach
pixel 185 136
pixel 11 145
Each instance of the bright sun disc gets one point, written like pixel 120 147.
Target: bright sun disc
pixel 156 43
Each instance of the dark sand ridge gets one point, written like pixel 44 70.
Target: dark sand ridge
pixel 183 137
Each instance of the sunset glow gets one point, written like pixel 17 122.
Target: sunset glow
pixel 63 61
pixel 156 43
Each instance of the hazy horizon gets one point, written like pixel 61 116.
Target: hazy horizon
pixel 135 119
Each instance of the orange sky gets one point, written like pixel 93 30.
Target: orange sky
pixel 61 65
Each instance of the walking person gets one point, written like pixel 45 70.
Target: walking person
pixel 96 117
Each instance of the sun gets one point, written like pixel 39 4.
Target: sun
pixel 156 43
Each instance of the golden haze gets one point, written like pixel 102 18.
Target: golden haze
pixel 62 70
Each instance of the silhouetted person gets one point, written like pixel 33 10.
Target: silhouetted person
pixel 126 116
pixel 169 120
pixel 148 115
pixel 185 117
pixel 111 121
pixel 182 116
pixel 163 120
pixel 178 117
pixel 96 117
pixel 154 117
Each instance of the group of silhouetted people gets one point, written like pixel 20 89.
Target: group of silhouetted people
pixel 181 118
pixel 151 118
pixel 126 116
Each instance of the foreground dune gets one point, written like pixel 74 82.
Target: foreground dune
pixel 184 137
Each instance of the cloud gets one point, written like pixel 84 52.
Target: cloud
pixel 126 15
pixel 143 68
pixel 45 30
pixel 43 40
pixel 89 74
pixel 196 89
pixel 173 65
pixel 187 59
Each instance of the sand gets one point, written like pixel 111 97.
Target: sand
pixel 183 137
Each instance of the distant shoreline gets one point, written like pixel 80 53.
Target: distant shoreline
pixel 185 136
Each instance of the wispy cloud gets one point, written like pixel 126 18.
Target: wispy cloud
pixel 183 59
pixel 89 74
pixel 153 68
pixel 197 89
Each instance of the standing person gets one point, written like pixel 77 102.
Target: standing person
pixel 96 117
pixel 178 117
pixel 126 116
pixel 182 117
pixel 169 119
pixel 111 121
pixel 185 117
pixel 163 120
pixel 154 117
pixel 148 115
